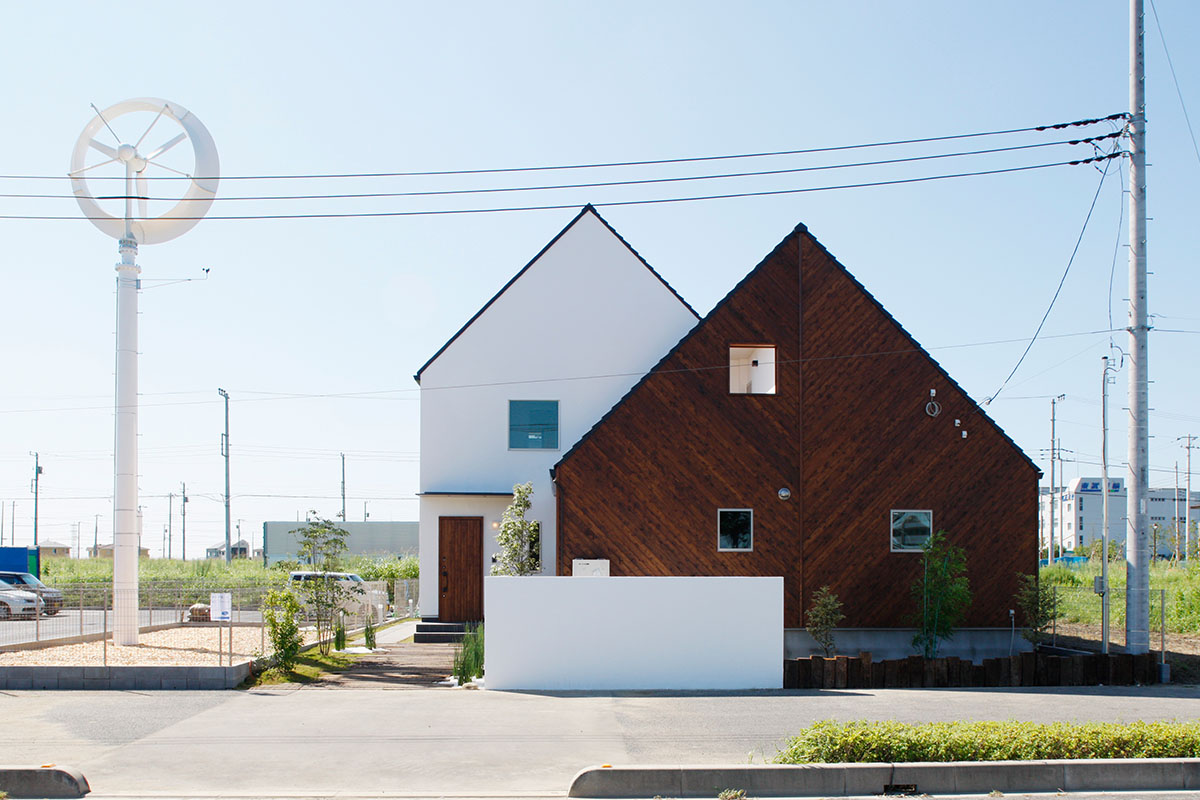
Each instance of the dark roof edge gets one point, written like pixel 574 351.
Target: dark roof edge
pixel 672 351
pixel 586 209
pixel 925 353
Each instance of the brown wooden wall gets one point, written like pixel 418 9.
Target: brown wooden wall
pixel 846 432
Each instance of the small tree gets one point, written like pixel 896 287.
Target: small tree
pixel 1037 608
pixel 280 610
pixel 322 544
pixel 942 593
pixel 822 617
pixel 520 540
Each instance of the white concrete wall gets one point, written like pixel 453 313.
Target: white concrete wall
pixel 633 633
pixel 587 309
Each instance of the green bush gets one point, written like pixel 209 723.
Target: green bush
pixel 339 633
pixel 280 610
pixel 823 616
pixel 369 631
pixel 468 655
pixel 882 742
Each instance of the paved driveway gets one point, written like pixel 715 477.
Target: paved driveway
pixel 460 742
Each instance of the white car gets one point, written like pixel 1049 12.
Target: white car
pixel 16 602
pixel 353 588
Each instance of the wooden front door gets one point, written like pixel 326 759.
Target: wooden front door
pixel 460 572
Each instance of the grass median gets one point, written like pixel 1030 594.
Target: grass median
pixel 887 742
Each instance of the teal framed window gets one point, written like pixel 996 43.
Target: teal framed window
pixel 533 424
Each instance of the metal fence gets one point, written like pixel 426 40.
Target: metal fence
pixel 1078 613
pixel 175 622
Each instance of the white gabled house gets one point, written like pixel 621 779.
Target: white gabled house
pixel 520 383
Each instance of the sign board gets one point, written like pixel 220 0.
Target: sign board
pixel 221 605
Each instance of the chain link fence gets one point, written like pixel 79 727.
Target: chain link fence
pixel 175 622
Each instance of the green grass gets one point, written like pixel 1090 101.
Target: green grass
pixel 311 666
pixel 1077 602
pixel 833 742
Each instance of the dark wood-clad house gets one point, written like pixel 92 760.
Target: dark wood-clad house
pixel 799 431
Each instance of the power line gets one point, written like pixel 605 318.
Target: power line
pixel 1178 91
pixel 1063 280
pixel 613 204
pixel 646 162
pixel 595 185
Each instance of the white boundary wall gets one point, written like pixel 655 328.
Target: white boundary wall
pixel 633 633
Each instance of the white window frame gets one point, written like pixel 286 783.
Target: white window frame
pixel 892 538
pixel 749 549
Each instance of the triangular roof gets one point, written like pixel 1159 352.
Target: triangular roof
pixel 798 231
pixel 588 209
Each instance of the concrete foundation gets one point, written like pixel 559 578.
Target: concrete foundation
pixel 975 644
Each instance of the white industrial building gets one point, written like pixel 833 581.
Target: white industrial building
pixel 1079 515
pixel 370 537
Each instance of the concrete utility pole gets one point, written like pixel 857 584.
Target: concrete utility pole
pixel 1137 547
pixel 37 471
pixel 343 455
pixel 170 514
pixel 1053 487
pixel 96 536
pixel 1104 592
pixel 1189 443
pixel 225 452
pixel 183 523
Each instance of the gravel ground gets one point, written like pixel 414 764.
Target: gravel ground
pixel 185 647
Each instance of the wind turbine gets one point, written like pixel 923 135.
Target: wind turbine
pixel 133 227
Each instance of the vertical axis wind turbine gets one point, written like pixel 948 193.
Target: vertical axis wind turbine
pixel 137 226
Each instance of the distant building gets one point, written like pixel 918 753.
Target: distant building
pixel 106 551
pixel 240 549
pixel 385 538
pixel 46 549
pixel 1079 515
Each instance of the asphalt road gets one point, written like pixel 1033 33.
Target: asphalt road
pixel 314 741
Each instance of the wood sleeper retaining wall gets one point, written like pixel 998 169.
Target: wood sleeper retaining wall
pixel 1025 669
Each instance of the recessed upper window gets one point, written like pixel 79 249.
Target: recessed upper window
pixel 911 530
pixel 735 530
pixel 752 369
pixel 533 424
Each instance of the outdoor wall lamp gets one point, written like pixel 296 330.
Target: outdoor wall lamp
pixel 785 493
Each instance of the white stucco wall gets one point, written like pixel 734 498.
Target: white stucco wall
pixel 580 326
pixel 633 633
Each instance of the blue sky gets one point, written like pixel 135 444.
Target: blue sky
pixel 352 307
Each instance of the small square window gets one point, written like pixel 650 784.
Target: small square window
pixel 533 424
pixel 735 530
pixel 911 530
pixel 752 369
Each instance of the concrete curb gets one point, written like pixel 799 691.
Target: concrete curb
pixel 49 781
pixel 842 780
pixel 123 678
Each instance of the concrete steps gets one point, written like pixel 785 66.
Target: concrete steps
pixel 434 632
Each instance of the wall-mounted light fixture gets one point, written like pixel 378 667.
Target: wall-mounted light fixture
pixel 785 493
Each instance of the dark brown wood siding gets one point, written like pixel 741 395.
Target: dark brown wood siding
pixel 846 432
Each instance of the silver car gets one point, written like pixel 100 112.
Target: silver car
pixel 16 602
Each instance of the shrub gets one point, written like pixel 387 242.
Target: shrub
pixel 1038 608
pixel 881 742
pixel 280 611
pixel 942 593
pixel 339 633
pixel 822 617
pixel 369 631
pixel 468 655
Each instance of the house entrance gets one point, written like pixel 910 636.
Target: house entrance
pixel 460 574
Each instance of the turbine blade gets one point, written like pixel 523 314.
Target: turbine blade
pixel 111 152
pixel 165 147
pixel 82 170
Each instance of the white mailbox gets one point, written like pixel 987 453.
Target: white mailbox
pixel 589 567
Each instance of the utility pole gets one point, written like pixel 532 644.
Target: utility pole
pixel 225 452
pixel 96 536
pixel 170 513
pixel 1137 549
pixel 239 530
pixel 366 516
pixel 1176 519
pixel 1104 592
pixel 343 455
pixel 183 524
pixel 37 471
pixel 12 523
pixel 2 524
pixel 1189 441
pixel 1053 486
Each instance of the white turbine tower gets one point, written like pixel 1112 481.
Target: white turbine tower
pixel 133 227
